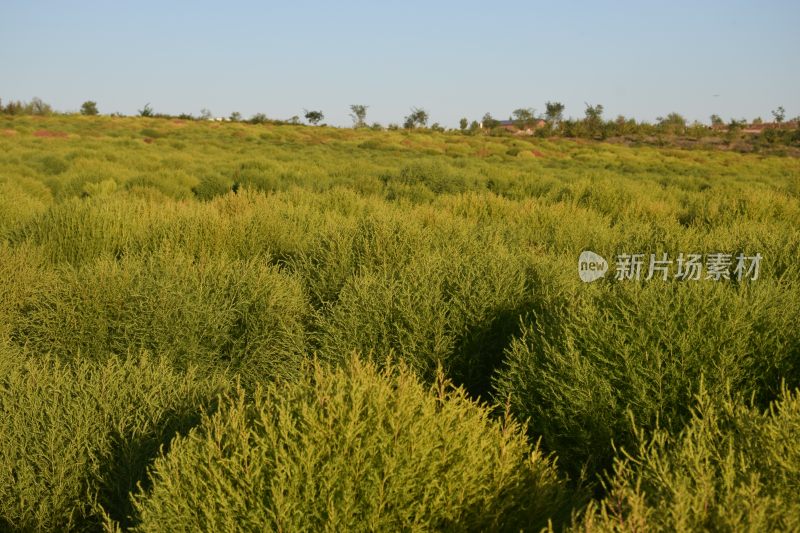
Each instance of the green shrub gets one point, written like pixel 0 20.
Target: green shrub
pixel 151 133
pixel 211 186
pixel 80 230
pixel 50 164
pixel 25 276
pixel 215 313
pixel 175 184
pixel 732 468
pixel 352 450
pixel 17 206
pixel 76 439
pixel 257 175
pixel 456 306
pixel 436 176
pixel 588 358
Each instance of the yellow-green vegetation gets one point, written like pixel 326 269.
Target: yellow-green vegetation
pixel 732 468
pixel 222 326
pixel 77 437
pixel 352 450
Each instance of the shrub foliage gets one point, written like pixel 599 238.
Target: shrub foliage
pixel 234 252
pixel 76 439
pixel 352 449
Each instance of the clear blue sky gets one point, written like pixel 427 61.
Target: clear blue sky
pixel 637 58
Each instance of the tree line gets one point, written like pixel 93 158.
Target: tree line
pixel 522 120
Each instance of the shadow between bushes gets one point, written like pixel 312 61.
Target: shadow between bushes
pixel 126 469
pixel 481 351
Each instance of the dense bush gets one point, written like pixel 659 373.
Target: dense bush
pixel 732 468
pixel 26 276
pixel 451 304
pixel 211 186
pixel 352 450
pixel 246 316
pixel 584 363
pixel 76 438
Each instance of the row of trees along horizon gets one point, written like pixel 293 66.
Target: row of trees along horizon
pixel 550 123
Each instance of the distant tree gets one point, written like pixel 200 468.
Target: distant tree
pixel 463 123
pixel 554 112
pixel 206 114
pixel 146 111
pixel 235 116
pixel 779 114
pixel 696 129
pixel 475 126
pixel 420 117
pixel 624 126
pixel 758 120
pixel 294 120
pixel 14 108
pixel 571 128
pixel 359 115
pixel 488 122
pixel 735 124
pixel 717 121
pixel 417 119
pixel 392 127
pixel 593 113
pixel 38 107
pixel 258 118
pixel 314 117
pixel 593 120
pixel 734 129
pixel 89 108
pixel 672 123
pixel 437 127
pixel 676 118
pixel 523 117
pixel 376 126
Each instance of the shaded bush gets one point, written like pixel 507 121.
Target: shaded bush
pixel 732 468
pixel 76 439
pixel 211 186
pixel 175 184
pixel 434 175
pixel 50 164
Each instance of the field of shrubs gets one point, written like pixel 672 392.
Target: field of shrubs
pixel 223 326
